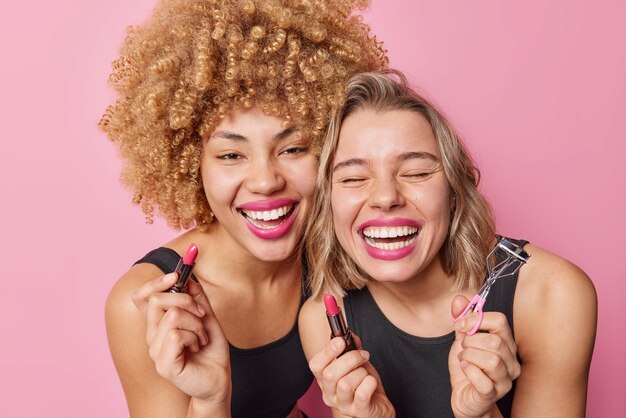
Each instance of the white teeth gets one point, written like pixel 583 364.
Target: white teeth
pixel 267 215
pixel 389 232
pixel 261 225
pixel 389 245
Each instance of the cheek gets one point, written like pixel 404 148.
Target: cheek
pixel 299 174
pixel 219 185
pixel 434 202
pixel 343 232
pixel 345 205
pixel 340 208
pixel 304 176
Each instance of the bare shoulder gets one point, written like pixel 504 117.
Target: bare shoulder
pixel 182 241
pixel 555 304
pixel 552 282
pixel 544 264
pixel 147 394
pixel 119 304
pixel 313 326
pixel 555 314
pixel 125 324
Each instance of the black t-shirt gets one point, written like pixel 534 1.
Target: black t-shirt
pixel 267 381
pixel 414 370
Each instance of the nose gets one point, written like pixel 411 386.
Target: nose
pixel 385 195
pixel 265 177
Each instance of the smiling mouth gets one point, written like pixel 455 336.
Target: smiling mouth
pixel 268 219
pixel 390 238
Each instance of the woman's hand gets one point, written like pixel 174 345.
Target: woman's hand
pixel 349 383
pixel 482 366
pixel 185 340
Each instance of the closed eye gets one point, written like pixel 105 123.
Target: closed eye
pixel 418 175
pixel 351 180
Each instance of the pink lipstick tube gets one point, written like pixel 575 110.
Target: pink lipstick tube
pixel 337 322
pixel 184 267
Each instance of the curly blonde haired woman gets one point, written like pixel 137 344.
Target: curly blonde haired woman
pixel 222 108
pixel 401 231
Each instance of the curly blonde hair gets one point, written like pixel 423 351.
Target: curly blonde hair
pixel 472 230
pixel 180 74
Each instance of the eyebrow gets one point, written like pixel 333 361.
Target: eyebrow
pixel 350 163
pixel 402 157
pixel 240 138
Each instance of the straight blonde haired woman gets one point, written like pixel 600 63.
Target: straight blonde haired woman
pixel 401 234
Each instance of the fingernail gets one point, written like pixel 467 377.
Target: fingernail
pixel 459 325
pixel 168 277
pixel 464 364
pixel 335 344
pixel 365 354
pixel 201 310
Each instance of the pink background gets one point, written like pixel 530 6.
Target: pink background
pixel 536 87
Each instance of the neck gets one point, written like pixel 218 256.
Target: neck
pixel 222 261
pixel 421 305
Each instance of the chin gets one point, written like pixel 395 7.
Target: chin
pixel 396 271
pixel 393 276
pixel 281 253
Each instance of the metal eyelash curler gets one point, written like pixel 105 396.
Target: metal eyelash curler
pixel 513 258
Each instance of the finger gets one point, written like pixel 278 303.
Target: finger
pixel 160 303
pixel 142 294
pixel 341 366
pixel 483 385
pixel 179 319
pixel 493 343
pixel 211 324
pixel 364 392
pixel 347 385
pixel 165 301
pixel 459 303
pixel 326 355
pixel 492 322
pixel 371 370
pixel 196 291
pixel 490 365
pixel 169 360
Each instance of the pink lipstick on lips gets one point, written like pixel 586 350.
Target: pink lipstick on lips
pixel 184 267
pixel 270 219
pixel 337 322
pixel 395 253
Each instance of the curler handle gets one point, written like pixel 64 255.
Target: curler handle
pixel 477 303
pixel 469 306
pixel 479 310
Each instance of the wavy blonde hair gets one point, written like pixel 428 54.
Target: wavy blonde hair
pixel 180 74
pixel 471 232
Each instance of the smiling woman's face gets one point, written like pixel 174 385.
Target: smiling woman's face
pixel 390 197
pixel 259 178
